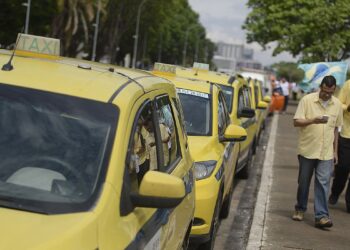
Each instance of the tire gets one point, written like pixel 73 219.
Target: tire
pixel 263 125
pixel 255 145
pixel 244 173
pixel 225 208
pixel 209 245
pixel 186 241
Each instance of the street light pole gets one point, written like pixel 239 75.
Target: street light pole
pixel 93 57
pixel 136 36
pixel 27 4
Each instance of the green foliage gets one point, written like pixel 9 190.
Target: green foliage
pixel 289 71
pixel 317 30
pixel 162 35
pixel 13 16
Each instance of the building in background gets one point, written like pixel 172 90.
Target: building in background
pixel 229 58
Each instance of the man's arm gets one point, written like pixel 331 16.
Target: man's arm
pixel 335 145
pixel 307 122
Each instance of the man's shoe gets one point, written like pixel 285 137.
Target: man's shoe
pixel 298 215
pixel 332 199
pixel 323 222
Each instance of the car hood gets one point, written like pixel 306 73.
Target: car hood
pixel 203 148
pixel 26 230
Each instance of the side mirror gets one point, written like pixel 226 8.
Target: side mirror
pixel 267 99
pixel 246 112
pixel 262 105
pixel 234 133
pixel 159 190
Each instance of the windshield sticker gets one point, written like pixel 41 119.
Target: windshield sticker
pixel 191 92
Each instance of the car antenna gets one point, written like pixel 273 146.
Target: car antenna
pixel 8 66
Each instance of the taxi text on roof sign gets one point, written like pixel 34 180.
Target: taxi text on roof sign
pixel 165 68
pixel 38 45
pixel 201 66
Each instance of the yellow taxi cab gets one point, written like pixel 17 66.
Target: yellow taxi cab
pixel 260 108
pixel 211 138
pixel 239 106
pixel 92 156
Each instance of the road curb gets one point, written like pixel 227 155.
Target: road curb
pixel 256 234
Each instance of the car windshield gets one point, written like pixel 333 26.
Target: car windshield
pixel 197 112
pixel 54 150
pixel 228 93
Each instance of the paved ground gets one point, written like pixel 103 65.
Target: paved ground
pixel 272 226
pixel 233 232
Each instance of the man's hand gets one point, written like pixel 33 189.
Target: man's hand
pixel 319 120
pixel 348 108
pixel 335 159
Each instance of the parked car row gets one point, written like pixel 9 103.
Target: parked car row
pixel 96 156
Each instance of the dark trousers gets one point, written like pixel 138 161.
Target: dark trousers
pixel 286 99
pixel 341 172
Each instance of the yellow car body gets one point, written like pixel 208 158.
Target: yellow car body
pixel 71 157
pixel 259 105
pixel 240 109
pixel 209 128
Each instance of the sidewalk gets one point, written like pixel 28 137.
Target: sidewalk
pixel 272 226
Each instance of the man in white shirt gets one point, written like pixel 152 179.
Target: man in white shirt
pixel 285 90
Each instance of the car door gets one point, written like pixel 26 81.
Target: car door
pixel 223 122
pixel 244 122
pixel 155 145
pixel 176 163
pixel 141 224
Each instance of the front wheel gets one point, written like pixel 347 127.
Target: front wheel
pixel 244 173
pixel 209 245
pixel 225 209
pixel 186 240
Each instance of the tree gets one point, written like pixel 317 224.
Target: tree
pixel 317 30
pixel 73 25
pixel 13 15
pixel 289 71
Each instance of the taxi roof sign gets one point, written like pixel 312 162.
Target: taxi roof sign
pixel 38 45
pixel 167 69
pixel 201 66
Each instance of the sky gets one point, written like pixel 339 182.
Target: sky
pixel 223 20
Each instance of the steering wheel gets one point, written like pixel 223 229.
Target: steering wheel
pixel 60 166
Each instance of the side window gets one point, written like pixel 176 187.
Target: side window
pixel 256 92
pixel 181 117
pixel 240 100
pixel 247 98
pixel 168 132
pixel 142 150
pixel 222 115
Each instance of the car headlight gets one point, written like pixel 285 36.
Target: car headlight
pixel 203 169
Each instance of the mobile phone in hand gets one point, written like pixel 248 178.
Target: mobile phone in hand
pixel 325 118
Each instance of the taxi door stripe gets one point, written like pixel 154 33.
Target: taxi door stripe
pixel 158 219
pixel 150 228
pixel 119 90
pixel 127 83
